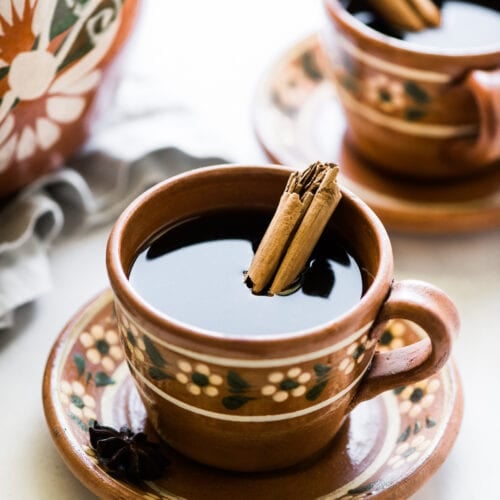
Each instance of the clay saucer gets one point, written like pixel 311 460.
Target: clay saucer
pixel 387 448
pixel 299 120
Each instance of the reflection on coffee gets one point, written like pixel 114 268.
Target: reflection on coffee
pixel 194 273
pixel 463 25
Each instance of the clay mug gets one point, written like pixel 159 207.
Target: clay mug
pixel 58 65
pixel 262 403
pixel 411 110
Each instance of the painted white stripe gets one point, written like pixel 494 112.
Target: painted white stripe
pixel 390 67
pixel 247 418
pixel 254 363
pixel 411 128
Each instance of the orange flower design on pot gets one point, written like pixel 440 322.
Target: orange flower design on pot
pixel 55 58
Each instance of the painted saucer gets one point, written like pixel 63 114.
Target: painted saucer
pixel 298 120
pixel 387 448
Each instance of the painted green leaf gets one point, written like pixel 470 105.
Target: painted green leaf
pixel 235 402
pixel 83 426
pixel 399 390
pixel 417 93
pixel 321 370
pixel 80 363
pixel 77 53
pixel 4 71
pixel 153 353
pixel 131 338
pixel 364 488
pixel 315 391
pixel 88 377
pixel 414 114
pixel 236 383
pixel 405 435
pixel 430 422
pixel 102 379
pixel 158 374
pixel 417 427
pixel 310 67
pixel 62 19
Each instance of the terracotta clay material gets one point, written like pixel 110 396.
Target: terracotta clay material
pixel 440 113
pixel 56 75
pixel 266 403
pixel 386 449
pixel 298 118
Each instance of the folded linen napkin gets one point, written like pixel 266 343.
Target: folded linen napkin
pixel 94 190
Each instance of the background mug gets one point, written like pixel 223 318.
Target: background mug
pixel 56 71
pixel 411 110
pixel 260 403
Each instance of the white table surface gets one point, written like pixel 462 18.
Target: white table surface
pixel 209 56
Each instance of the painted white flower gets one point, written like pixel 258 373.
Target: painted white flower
pixel 79 403
pixel 39 93
pixel 282 385
pixel 198 378
pixel 355 354
pixel 392 337
pixel 409 451
pixel 417 397
pixel 102 346
pixel 387 94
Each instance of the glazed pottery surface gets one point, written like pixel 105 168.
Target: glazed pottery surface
pixel 412 111
pixel 298 119
pixel 55 72
pixel 387 448
pixel 269 402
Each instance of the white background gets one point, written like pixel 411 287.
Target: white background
pixel 207 57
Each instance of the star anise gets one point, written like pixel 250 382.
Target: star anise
pixel 127 454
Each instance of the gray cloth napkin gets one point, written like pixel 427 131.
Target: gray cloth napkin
pixel 93 191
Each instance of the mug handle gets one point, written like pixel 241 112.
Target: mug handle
pixel 432 310
pixel 485 87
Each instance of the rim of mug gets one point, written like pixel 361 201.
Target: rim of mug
pixel 132 300
pixel 336 10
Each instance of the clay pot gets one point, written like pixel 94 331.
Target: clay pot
pixel 413 111
pixel 55 65
pixel 260 403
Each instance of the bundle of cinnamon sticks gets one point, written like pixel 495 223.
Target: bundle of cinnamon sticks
pixel 410 15
pixel 306 205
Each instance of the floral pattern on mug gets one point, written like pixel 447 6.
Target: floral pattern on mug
pixel 198 379
pixel 63 48
pixel 79 403
pixel 355 354
pixel 284 384
pixel 295 84
pixel 417 397
pixel 385 93
pixel 102 346
pixel 409 451
pixel 392 337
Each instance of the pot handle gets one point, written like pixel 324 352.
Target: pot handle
pixel 432 310
pixel 485 87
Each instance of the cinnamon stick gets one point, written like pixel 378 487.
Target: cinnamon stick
pixel 305 206
pixel 410 15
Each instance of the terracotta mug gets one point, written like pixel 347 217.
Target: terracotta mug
pixel 261 403
pixel 57 69
pixel 414 111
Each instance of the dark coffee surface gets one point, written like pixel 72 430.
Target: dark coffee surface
pixel 194 273
pixel 464 24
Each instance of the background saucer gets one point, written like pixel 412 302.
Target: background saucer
pixel 298 120
pixel 387 448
